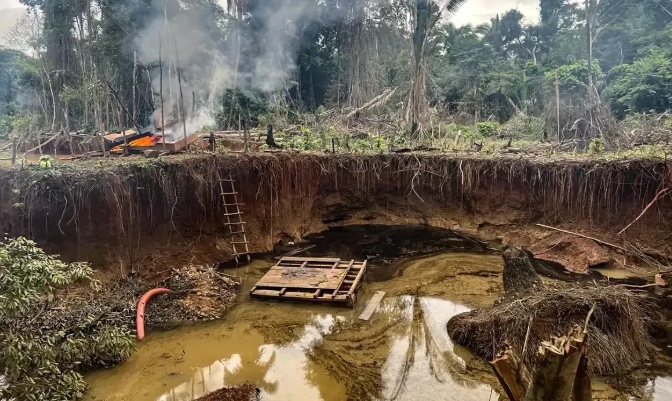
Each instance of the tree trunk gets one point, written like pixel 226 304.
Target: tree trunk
pixel 519 273
pixel 561 374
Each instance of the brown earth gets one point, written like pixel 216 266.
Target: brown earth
pixel 145 218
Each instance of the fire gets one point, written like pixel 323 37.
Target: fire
pixel 145 142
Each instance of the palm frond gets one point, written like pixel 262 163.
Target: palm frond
pixel 450 7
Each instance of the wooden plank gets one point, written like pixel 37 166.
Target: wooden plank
pixel 359 277
pixel 291 259
pixel 340 284
pixel 308 278
pixel 301 296
pixel 371 307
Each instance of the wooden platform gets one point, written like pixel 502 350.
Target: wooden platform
pixel 329 280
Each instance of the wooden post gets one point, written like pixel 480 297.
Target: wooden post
pixel 121 104
pixel 557 105
pixel 179 82
pixel 135 85
pixel 333 145
pixel 14 151
pixel 457 139
pixel 163 121
pixel 247 135
pixel 151 88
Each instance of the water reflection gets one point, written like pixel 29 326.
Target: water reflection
pixel 659 389
pixel 423 363
pixel 280 371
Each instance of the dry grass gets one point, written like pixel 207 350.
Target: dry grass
pixel 618 338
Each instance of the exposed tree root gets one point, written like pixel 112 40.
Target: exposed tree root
pixel 128 200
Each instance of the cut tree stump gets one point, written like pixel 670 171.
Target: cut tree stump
pixel 519 274
pixel 560 375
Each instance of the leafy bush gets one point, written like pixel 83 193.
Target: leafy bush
pixel 525 126
pixel 644 86
pixel 596 146
pixel 488 129
pixel 41 348
pixel 573 78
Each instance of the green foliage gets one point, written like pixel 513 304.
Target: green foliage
pixel 46 161
pixel 573 78
pixel 39 359
pixel 239 107
pixel 345 55
pixel 525 126
pixel 644 86
pixel 488 129
pixel 596 146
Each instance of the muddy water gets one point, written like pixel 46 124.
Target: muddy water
pixel 310 352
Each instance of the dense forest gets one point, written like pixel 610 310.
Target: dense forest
pixel 98 65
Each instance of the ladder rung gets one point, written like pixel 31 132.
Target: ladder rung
pixel 229 193
pixel 233 214
pixel 234 204
pixel 236 232
pixel 238 242
pixel 227 179
pixel 231 223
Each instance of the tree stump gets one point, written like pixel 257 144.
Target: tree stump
pixel 519 274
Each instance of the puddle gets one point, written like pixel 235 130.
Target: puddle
pixel 287 350
pixel 310 352
pixel 658 389
pixel 423 362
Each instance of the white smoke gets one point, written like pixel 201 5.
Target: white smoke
pixel 184 37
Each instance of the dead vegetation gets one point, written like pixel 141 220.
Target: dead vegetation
pixel 619 339
pixel 243 392
pixel 199 293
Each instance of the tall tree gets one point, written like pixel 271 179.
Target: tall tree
pixel 425 16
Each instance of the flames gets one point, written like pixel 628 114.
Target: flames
pixel 146 142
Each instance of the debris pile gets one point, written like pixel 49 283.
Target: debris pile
pixel 243 392
pixel 199 293
pixel 527 317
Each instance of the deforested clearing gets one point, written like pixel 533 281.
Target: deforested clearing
pixel 336 200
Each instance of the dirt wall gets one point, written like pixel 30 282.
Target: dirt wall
pixel 126 212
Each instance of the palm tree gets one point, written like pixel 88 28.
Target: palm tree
pixel 425 16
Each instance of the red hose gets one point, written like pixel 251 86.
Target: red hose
pixel 140 317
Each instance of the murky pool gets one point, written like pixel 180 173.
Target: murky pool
pixel 320 353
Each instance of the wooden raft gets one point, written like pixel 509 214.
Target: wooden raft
pixel 329 280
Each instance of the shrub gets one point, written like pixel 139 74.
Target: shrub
pixel 41 347
pixel 488 129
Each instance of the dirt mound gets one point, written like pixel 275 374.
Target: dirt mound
pixel 199 293
pixel 575 254
pixel 243 392
pixel 619 340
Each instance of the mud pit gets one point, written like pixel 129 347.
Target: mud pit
pixel 311 352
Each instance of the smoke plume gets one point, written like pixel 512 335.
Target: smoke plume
pixel 214 51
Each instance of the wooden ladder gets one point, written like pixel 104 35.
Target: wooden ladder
pixel 234 219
